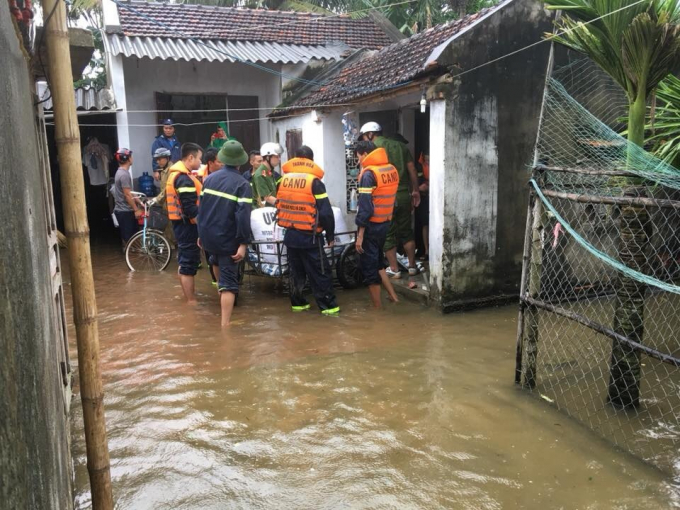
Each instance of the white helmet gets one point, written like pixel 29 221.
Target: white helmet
pixel 271 149
pixel 370 127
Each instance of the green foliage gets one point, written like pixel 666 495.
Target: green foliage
pixel 664 133
pixel 409 17
pixel 636 42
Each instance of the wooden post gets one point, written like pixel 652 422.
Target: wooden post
pixel 77 232
pixel 535 271
pixel 526 259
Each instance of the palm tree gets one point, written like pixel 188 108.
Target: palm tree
pixel 636 42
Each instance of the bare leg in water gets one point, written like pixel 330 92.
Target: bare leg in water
pixel 187 283
pixel 374 292
pixel 227 300
pixel 387 283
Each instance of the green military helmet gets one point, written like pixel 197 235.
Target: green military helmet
pixel 232 153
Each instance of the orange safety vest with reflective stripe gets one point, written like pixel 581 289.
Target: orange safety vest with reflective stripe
pixel 387 181
pixel 296 203
pixel 172 194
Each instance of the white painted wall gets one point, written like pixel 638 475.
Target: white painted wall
pixel 324 137
pixel 438 191
pixel 140 79
pixel 334 161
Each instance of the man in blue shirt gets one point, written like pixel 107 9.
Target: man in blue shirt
pixel 224 222
pixel 169 141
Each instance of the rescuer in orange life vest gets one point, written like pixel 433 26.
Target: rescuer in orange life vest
pixel 378 183
pixel 304 210
pixel 183 191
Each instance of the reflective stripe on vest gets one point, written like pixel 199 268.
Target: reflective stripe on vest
pixel 227 196
pixel 172 193
pixel 296 204
pixel 384 193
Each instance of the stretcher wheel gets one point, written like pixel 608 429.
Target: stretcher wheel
pixel 348 270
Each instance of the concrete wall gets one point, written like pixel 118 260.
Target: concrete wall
pixel 140 79
pixel 35 461
pixel 483 132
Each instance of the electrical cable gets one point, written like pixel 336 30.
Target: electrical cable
pixel 549 38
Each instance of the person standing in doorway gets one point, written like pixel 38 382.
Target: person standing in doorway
pixel 127 209
pixel 162 159
pixel 423 210
pixel 224 222
pixel 378 183
pixel 304 210
pixel 183 191
pixel 401 229
pixel 264 177
pixel 167 140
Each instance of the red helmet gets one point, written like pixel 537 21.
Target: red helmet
pixel 123 155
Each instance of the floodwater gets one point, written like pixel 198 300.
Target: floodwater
pixel 398 409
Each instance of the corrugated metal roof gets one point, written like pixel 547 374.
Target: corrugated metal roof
pixel 224 51
pixel 87 99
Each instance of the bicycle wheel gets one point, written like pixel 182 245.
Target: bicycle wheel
pixel 348 270
pixel 148 253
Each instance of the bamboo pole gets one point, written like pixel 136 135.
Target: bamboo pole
pixel 80 263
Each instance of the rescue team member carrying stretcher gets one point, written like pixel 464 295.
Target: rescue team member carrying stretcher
pixel 224 221
pixel 305 212
pixel 378 183
pixel 182 193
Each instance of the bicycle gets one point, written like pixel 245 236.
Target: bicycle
pixel 148 249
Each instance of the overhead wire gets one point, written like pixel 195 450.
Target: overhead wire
pixel 372 89
pixel 546 39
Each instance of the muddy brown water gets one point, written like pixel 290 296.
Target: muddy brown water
pixel 403 408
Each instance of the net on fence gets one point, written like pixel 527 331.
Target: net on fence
pixel 600 323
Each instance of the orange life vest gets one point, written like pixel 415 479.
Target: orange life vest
pixel 387 182
pixel 172 193
pixel 296 203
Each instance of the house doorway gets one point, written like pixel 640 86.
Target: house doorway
pixel 100 127
pixel 201 113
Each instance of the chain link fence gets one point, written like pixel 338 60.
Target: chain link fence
pixel 599 325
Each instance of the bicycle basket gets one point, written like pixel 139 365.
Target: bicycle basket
pixel 157 219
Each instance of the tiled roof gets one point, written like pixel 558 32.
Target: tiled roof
pixel 391 67
pixel 155 19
